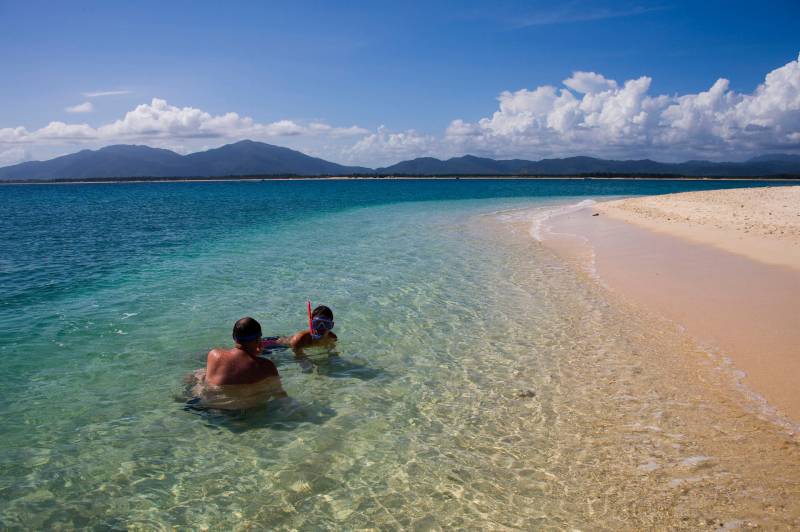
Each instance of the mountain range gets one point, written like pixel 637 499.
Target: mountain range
pixel 249 158
pixel 122 160
pixel 767 165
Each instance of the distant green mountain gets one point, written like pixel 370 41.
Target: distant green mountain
pixel 241 158
pixel 249 158
pixel 785 157
pixel 256 158
pixel 111 161
pixel 469 165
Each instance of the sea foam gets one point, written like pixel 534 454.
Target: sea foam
pixel 540 217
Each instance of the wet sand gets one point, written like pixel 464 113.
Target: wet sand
pixel 662 434
pixel 743 305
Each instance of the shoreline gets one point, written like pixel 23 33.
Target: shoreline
pixel 742 306
pixel 404 178
pixel 685 436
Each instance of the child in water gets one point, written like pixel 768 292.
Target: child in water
pixel 318 334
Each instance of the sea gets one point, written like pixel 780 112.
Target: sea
pixel 479 380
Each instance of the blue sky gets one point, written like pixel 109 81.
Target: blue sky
pixel 386 80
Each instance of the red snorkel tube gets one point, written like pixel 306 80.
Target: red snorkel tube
pixel 310 328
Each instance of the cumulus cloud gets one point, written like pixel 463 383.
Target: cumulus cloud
pixel 595 115
pixel 160 123
pixel 14 155
pixel 319 127
pixel 589 82
pixel 587 114
pixel 385 146
pixel 85 107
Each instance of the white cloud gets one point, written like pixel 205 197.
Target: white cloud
pixel 603 118
pixel 160 123
pixel 59 131
pixel 320 127
pixel 569 12
pixel 100 94
pixel 14 155
pixel 12 135
pixel 587 114
pixel 589 82
pixel 384 147
pixel 85 107
pixel 460 128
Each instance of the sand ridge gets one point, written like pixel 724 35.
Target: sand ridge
pixel 760 223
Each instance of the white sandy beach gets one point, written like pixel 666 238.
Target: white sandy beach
pixel 723 264
pixel 760 223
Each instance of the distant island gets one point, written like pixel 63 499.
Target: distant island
pixel 248 159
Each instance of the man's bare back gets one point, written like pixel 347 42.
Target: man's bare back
pixel 237 366
pixel 237 378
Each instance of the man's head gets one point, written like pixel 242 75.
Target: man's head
pixel 247 332
pixel 321 321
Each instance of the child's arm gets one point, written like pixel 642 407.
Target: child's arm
pixel 300 340
pixel 304 339
pixel 275 341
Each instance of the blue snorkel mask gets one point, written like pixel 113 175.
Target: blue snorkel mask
pixel 319 326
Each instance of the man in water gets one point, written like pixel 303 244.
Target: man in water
pixel 238 378
pixel 240 365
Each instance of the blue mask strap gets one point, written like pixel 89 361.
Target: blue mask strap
pixel 248 338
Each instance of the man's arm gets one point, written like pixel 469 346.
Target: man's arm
pixel 271 369
pixel 272 372
pixel 212 364
pixel 276 341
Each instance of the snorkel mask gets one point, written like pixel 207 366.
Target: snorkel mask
pixel 318 326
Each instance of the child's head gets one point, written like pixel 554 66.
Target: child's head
pixel 321 321
pixel 322 312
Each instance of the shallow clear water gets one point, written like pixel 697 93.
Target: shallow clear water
pixel 449 316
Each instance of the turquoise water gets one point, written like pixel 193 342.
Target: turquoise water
pixel 111 294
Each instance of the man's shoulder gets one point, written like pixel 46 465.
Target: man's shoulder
pixel 218 352
pixel 269 365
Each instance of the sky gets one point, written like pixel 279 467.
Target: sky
pixel 373 83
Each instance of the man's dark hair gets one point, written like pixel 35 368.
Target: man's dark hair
pixel 322 312
pixel 246 330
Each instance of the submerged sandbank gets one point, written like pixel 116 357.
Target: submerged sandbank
pixel 730 275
